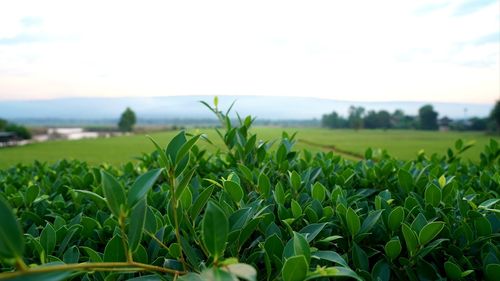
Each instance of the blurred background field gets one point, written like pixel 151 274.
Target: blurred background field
pixel 402 144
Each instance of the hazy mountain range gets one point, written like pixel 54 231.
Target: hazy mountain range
pixel 188 107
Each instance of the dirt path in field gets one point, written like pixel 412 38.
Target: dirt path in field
pixel 334 149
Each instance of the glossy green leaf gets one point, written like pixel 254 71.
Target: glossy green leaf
pixel 334 271
pixel 411 239
pixel 234 190
pixel 318 192
pixel 162 154
pixel 174 250
pixel 295 180
pixel 297 245
pixel 429 231
pixel 113 193
pixel 483 226
pixel 31 194
pixel 184 182
pixel 48 238
pixel 330 256
pixel 396 217
pixel 185 148
pixel 359 257
pixel 274 246
pixel 381 271
pixel 279 194
pixel 405 180
pixel 72 255
pixel 11 237
pixel 353 223
pixel 114 251
pixel 201 201
pixel 492 271
pixel 393 248
pixel 215 229
pixel 99 200
pixel 174 146
pixel 264 184
pixel 312 230
pixel 296 209
pixel 295 268
pixel 419 222
pixel 452 270
pixel 136 225
pixel 433 195
pixel 370 221
pixel 186 198
pixel 93 255
pixel 142 185
pixel 488 203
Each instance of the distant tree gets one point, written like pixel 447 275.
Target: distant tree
pixel 495 115
pixel 374 120
pixel 127 120
pixel 3 124
pixel 478 124
pixel 333 121
pixel 19 130
pixel 384 119
pixel 428 118
pixel 371 120
pixel 356 117
pixel 397 119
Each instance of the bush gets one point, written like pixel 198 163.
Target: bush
pixel 293 215
pixel 19 130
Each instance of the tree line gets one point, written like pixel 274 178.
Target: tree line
pixel 20 131
pixel 427 119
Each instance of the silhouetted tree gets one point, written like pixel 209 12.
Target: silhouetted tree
pixel 428 118
pixel 3 124
pixel 356 117
pixel 478 124
pixel 495 115
pixel 127 120
pixel 19 130
pixel 384 119
pixel 333 120
pixel 370 121
pixel 374 120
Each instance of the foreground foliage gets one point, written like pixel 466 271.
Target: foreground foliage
pixel 188 215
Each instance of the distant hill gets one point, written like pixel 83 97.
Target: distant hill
pixel 188 107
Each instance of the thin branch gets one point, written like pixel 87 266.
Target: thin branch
pixel 102 266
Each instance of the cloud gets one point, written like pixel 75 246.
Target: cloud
pixel 22 38
pixel 28 22
pixel 492 38
pixel 382 50
pixel 431 7
pixel 471 6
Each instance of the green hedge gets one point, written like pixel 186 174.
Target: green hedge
pixel 254 211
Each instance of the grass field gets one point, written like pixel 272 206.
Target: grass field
pixel 402 144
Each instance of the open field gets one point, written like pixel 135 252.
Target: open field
pixel 402 144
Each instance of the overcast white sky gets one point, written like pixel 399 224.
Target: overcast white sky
pixel 395 50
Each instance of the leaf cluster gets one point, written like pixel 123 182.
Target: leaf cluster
pixel 185 214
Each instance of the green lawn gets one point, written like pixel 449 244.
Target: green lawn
pixel 400 143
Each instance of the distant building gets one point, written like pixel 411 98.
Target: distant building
pixel 444 123
pixel 8 139
pixel 70 134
